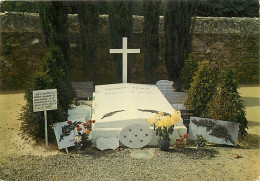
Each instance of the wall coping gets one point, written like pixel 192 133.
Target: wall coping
pixel 29 22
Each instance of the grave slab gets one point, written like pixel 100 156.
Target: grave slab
pixel 81 111
pixel 115 106
pixel 164 86
pixel 106 143
pixel 215 131
pixel 135 135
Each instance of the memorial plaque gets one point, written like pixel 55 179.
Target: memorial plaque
pixel 83 90
pixel 185 115
pixel 44 100
pixel 215 131
pixel 175 97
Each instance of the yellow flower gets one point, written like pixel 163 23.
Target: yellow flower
pixel 161 113
pixel 159 124
pixel 151 120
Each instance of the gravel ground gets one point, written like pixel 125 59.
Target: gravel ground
pixel 126 164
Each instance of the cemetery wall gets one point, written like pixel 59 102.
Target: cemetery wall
pixel 231 40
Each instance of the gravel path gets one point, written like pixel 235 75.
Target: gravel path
pixel 126 164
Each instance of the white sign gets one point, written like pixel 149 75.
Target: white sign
pixel 124 51
pixel 44 100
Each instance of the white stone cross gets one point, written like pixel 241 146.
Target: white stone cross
pixel 124 51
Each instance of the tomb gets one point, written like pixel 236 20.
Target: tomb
pixel 116 106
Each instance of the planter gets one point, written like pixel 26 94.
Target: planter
pixel 180 143
pixel 164 144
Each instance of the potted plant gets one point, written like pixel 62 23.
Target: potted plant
pixel 180 142
pixel 200 141
pixel 164 127
pixel 82 139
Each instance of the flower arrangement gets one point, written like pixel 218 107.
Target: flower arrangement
pixel 82 139
pixel 164 124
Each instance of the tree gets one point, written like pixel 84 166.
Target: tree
pixel 88 14
pixel 178 29
pixel 120 23
pixel 54 25
pixel 151 39
pixel 227 104
pixel 201 89
pixel 188 71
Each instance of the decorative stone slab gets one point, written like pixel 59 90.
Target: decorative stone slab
pixel 135 135
pixel 83 90
pixel 164 85
pixel 106 143
pixel 215 131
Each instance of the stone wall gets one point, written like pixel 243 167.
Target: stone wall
pixel 231 40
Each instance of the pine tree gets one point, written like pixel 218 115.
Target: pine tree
pixel 202 89
pixel 120 22
pixel 178 28
pixel 151 39
pixel 227 104
pixel 88 14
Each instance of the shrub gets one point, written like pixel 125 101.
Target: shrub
pixel 51 77
pixel 188 71
pixel 202 89
pixel 227 104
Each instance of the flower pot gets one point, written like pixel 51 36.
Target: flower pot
pixel 164 144
pixel 180 143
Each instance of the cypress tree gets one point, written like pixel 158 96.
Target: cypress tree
pixel 151 39
pixel 227 104
pixel 121 23
pixel 178 28
pixel 201 89
pixel 88 14
pixel 54 25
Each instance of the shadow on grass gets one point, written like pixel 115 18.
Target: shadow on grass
pixel 250 141
pixel 251 101
pixel 196 153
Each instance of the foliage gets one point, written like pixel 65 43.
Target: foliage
pixel 164 125
pixel 151 39
pixel 54 25
pixel 188 71
pixel 88 15
pixel 228 8
pixel 52 76
pixel 227 104
pixel 120 23
pixel 178 30
pixel 201 89
pixel 200 141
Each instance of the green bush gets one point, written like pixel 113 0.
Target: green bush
pixel 51 77
pixel 227 104
pixel 202 89
pixel 188 71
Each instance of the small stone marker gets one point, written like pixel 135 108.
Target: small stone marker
pixel 104 143
pixel 164 86
pixel 44 100
pixel 215 131
pixel 124 52
pixel 83 90
pixel 135 135
pixel 65 133
pixel 185 115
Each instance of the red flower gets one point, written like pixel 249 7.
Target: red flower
pixel 186 135
pixel 90 129
pixel 77 125
pixel 79 128
pixel 69 122
pixel 85 124
pixel 93 121
pixel 90 121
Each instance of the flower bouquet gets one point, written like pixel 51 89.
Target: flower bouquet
pixel 82 139
pixel 164 127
